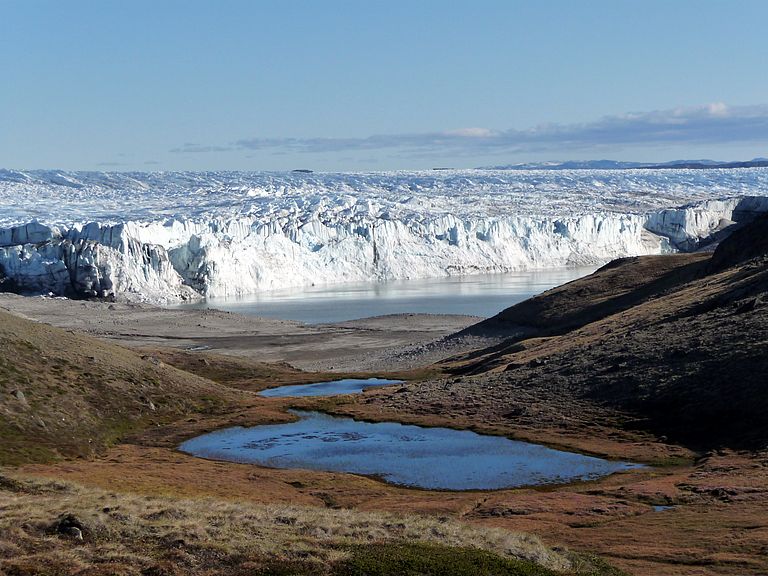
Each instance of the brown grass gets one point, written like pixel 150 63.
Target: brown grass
pixel 130 534
pixel 65 394
pixel 245 374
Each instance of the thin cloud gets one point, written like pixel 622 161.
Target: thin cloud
pixel 191 148
pixel 714 123
pixel 471 132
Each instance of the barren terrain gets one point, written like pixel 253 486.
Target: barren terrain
pixel 353 346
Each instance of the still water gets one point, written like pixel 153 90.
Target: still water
pixel 477 295
pixel 433 458
pixel 407 455
pixel 345 386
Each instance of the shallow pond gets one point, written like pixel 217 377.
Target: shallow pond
pixel 346 386
pixel 434 458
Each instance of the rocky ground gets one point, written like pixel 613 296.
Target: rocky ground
pixel 368 344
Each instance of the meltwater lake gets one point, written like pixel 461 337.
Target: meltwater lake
pixel 331 388
pixel 477 295
pixel 406 455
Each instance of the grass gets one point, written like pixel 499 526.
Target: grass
pixel 66 395
pixel 236 372
pixel 253 376
pixel 420 559
pixel 138 535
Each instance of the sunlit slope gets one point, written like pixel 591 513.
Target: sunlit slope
pixel 66 394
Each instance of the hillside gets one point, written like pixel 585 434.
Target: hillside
pixel 67 394
pixel 615 287
pixel 680 342
pixel 675 346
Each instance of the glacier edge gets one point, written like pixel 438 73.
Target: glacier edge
pixel 181 259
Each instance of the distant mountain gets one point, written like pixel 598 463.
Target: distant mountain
pixel 570 165
pixel 705 164
pixel 619 165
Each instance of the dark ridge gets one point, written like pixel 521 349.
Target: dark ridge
pixel 678 343
pixel 716 165
pixel 622 165
pixel 619 285
pixel 750 241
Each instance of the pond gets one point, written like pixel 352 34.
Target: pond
pixel 346 386
pixel 413 456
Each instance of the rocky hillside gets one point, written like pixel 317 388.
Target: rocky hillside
pixel 680 343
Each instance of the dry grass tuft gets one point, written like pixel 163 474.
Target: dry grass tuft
pixel 137 535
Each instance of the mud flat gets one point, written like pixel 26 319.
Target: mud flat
pixel 380 343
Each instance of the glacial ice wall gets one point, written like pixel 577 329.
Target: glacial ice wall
pixel 169 237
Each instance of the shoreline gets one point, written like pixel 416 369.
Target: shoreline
pixel 366 344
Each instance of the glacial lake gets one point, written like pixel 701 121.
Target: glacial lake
pixel 478 295
pixel 406 455
pixel 332 388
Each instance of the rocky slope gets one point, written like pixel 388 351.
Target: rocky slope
pixel 676 345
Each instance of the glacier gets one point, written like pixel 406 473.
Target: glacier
pixel 166 237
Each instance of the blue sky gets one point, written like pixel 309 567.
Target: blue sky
pixel 373 85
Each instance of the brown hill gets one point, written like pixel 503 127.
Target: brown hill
pixel 744 244
pixel 617 286
pixel 680 342
pixel 66 394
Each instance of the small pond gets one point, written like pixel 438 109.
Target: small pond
pixel 346 386
pixel 433 458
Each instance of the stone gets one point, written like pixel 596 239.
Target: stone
pixel 19 395
pixel 71 526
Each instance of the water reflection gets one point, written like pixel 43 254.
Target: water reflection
pixel 436 458
pixel 346 386
pixel 480 295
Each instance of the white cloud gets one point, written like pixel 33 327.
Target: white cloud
pixel 471 132
pixel 717 109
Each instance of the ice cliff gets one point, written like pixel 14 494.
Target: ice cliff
pixel 175 236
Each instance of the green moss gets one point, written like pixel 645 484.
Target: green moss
pixel 16 447
pixel 419 559
pixel 282 568
pixel 671 461
pixel 115 429
pixel 209 405
pixel 590 565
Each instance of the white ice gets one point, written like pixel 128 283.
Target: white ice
pixel 171 236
